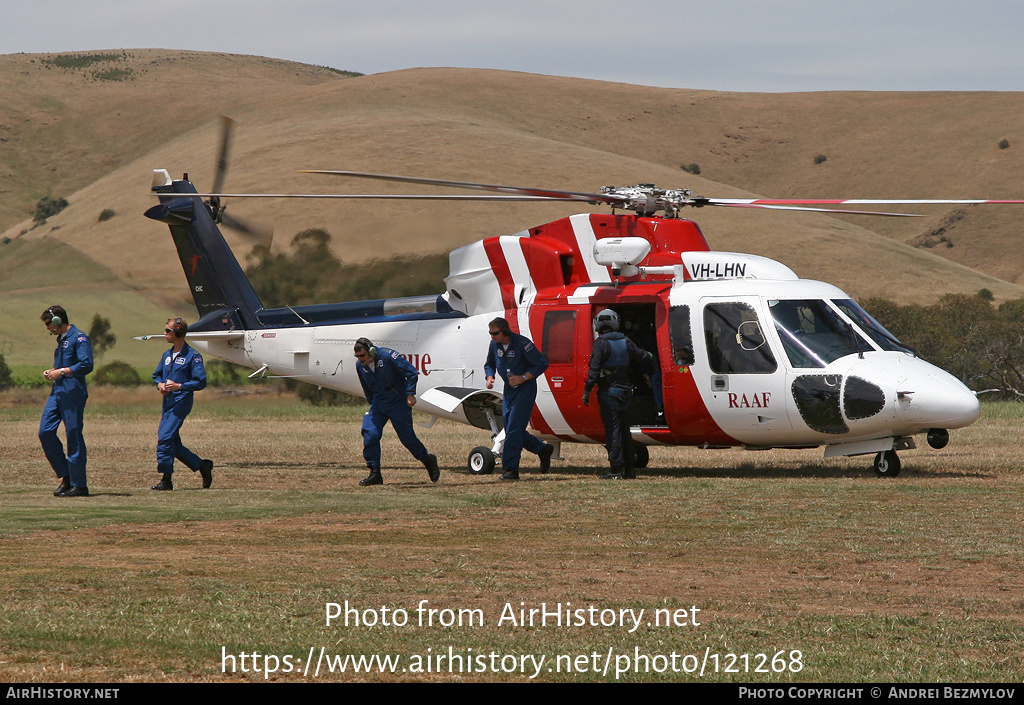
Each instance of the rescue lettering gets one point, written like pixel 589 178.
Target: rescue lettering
pixel 754 401
pixel 718 270
pixel 418 361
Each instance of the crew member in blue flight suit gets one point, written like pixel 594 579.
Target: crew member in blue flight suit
pixel 72 361
pixel 389 383
pixel 610 360
pixel 179 373
pixel 519 363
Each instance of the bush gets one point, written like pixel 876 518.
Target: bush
pixel 48 206
pixel 118 374
pixel 6 378
pixel 692 168
pixel 322 396
pixel 1004 144
pixel 106 214
pixel 820 159
pixel 221 373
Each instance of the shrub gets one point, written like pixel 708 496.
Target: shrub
pixel 106 214
pixel 985 294
pixel 48 206
pixel 118 374
pixel 820 159
pixel 6 378
pixel 221 373
pixel 692 168
pixel 1004 144
pixel 321 396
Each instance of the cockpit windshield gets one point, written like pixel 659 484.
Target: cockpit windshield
pixel 883 338
pixel 813 334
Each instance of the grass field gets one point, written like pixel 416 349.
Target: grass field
pixel 916 578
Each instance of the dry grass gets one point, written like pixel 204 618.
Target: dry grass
pixel 912 579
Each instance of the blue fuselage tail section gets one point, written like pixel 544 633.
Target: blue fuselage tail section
pixel 223 295
pixel 217 281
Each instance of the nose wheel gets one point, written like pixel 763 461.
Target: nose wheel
pixel 887 464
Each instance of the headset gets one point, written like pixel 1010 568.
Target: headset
pixel 505 329
pixel 180 328
pixel 54 318
pixel 366 345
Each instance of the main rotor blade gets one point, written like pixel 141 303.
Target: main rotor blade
pixel 414 196
pixel 541 194
pixel 856 201
pixel 815 210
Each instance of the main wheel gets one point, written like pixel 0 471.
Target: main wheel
pixel 481 461
pixel 641 456
pixel 887 464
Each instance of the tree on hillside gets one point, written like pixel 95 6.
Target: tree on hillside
pixel 308 275
pixel 311 274
pixel 101 336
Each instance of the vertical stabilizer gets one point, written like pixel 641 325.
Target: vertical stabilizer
pixel 223 295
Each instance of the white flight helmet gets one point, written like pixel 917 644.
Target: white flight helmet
pixel 608 318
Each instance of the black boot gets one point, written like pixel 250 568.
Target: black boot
pixel 545 457
pixel 164 484
pixel 206 470
pixel 374 478
pixel 430 463
pixel 65 485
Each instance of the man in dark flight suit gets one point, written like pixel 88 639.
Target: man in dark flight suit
pixel 72 361
pixel 519 363
pixel 610 362
pixel 389 383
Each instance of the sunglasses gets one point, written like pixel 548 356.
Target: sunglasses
pixel 494 332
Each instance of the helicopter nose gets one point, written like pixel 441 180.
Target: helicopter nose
pixel 937 401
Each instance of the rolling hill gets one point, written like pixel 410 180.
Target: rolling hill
pixel 69 132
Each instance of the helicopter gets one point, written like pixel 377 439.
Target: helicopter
pixel 746 353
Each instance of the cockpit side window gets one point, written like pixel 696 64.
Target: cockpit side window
pixel 813 334
pixel 735 340
pixel 679 333
pixel 875 330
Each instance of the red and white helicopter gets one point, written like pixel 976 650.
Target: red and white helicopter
pixel 746 353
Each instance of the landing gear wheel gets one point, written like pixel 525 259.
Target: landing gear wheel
pixel 641 456
pixel 887 464
pixel 481 461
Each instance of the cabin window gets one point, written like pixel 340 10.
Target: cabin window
pixel 559 332
pixel 679 334
pixel 736 342
pixel 813 334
